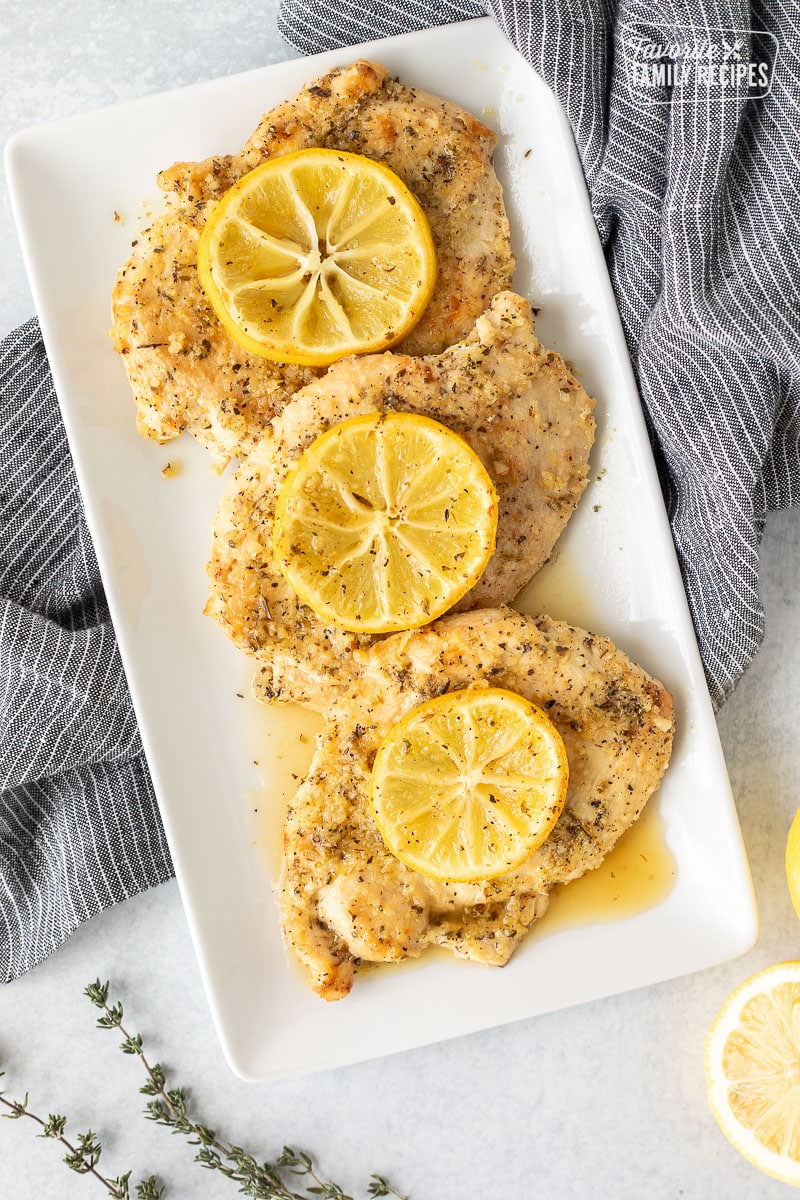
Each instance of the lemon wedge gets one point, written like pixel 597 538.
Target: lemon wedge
pixel 468 785
pixel 385 522
pixel 753 1070
pixel 317 254
pixel 793 861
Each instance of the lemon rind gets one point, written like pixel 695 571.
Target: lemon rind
pixel 282 541
pixel 290 352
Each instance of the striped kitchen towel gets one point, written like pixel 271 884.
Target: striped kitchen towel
pixel 693 172
pixel 79 826
pixel 697 199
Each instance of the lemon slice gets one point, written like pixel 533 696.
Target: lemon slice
pixel 466 786
pixel 753 1070
pixel 385 522
pixel 317 254
pixel 793 861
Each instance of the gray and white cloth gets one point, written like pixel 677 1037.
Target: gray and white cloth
pixel 698 209
pixel 79 824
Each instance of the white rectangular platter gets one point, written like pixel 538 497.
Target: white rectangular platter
pixel 614 571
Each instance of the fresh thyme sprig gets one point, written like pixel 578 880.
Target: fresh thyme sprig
pixel 84 1156
pixel 168 1106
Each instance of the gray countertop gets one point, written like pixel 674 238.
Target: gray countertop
pixel 603 1100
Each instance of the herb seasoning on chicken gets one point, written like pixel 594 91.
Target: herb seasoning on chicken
pixel 515 403
pixel 186 371
pixel 345 899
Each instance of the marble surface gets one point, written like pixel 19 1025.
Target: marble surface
pixel 602 1100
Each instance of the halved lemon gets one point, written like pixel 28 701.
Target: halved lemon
pixel 317 254
pixel 385 522
pixel 753 1070
pixel 468 785
pixel 793 861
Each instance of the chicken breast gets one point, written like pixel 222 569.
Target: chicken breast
pixel 345 899
pixel 185 370
pixel 524 414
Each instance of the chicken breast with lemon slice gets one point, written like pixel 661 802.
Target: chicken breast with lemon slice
pixel 185 370
pixel 345 899
pixel 516 405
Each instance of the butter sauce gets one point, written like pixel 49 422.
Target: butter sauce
pixel 637 875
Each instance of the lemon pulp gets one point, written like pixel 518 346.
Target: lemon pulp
pixel 385 522
pixel 466 786
pixel 753 1070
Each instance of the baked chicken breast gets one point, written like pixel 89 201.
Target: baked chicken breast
pixel 345 899
pixel 516 403
pixel 185 370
